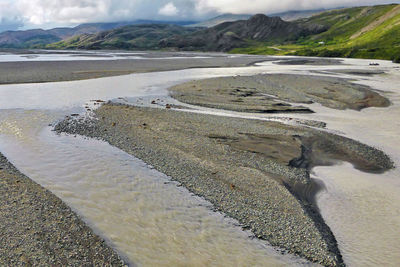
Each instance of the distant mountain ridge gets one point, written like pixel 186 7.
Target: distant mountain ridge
pixel 220 19
pixel 140 37
pixel 229 35
pixel 295 14
pixel 286 16
pixel 37 38
pixel 223 37
pixel 40 37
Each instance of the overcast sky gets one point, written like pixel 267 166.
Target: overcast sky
pixel 23 14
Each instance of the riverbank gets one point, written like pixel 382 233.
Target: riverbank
pixel 38 66
pixel 254 171
pixel 55 71
pixel 39 229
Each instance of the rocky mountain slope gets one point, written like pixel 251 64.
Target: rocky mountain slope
pixel 229 35
pixel 286 16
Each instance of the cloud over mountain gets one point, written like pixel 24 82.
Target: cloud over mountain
pixel 169 10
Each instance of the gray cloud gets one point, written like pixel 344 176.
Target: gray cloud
pixel 10 18
pixel 49 13
pixel 273 6
pixel 10 24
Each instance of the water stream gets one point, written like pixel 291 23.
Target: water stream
pixel 153 221
pixel 148 218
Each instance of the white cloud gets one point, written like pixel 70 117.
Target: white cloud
pixel 40 12
pixel 169 10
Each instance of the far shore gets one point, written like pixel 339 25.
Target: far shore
pixel 56 71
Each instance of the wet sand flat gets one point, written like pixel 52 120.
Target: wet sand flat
pixel 276 93
pixel 54 71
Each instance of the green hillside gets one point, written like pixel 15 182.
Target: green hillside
pixel 146 36
pixel 39 38
pixel 361 32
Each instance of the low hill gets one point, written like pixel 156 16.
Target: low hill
pixel 358 32
pixel 362 32
pixel 229 35
pixel 145 36
pixel 24 39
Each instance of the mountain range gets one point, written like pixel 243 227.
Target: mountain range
pixel 229 35
pixel 131 37
pixel 39 37
pixel 362 32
